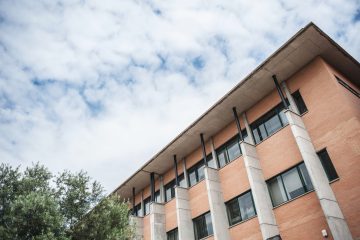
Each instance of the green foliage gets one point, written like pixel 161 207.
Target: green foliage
pixel 36 205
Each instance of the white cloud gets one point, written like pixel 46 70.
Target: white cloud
pixel 97 85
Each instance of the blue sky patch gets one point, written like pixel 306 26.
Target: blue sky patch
pixel 198 63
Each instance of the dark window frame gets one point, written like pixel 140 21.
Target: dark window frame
pixel 195 168
pixel 328 165
pixel 172 234
pixel 231 223
pixel 171 186
pixel 197 220
pixel 224 148
pixel 299 102
pixel 305 187
pixel 147 201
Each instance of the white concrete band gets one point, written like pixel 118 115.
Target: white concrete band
pixel 157 221
pixel 259 191
pixel 328 202
pixel 217 205
pixel 183 214
pixel 137 224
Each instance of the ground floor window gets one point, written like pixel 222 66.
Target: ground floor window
pixel 173 234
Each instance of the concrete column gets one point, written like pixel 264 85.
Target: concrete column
pixel 328 202
pixel 162 189
pixel 185 173
pixel 138 227
pixel 157 221
pixel 260 192
pixel 248 129
pixel 217 206
pixel 292 106
pixel 213 152
pixel 183 214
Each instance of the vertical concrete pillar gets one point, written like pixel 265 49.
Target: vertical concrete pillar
pixel 157 221
pixel 138 227
pixel 248 129
pixel 213 152
pixel 162 189
pixel 292 106
pixel 183 214
pixel 217 206
pixel 328 202
pixel 264 208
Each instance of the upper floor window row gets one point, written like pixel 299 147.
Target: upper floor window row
pixel 170 188
pixel 196 173
pixel 275 119
pixel 230 150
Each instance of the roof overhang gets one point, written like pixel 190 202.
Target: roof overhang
pixel 303 47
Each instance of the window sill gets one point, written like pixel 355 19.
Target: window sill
pixel 206 237
pixel 281 204
pixel 335 180
pixel 236 224
pixel 272 134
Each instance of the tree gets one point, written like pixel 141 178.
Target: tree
pixel 37 205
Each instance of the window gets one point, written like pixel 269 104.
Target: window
pixel 299 101
pixel 173 234
pixel 289 184
pixel 269 123
pixel 157 196
pixel 230 150
pixel 196 173
pixel 170 188
pixel 147 206
pixel 138 210
pixel 240 208
pixel 347 86
pixel 203 226
pixel 327 165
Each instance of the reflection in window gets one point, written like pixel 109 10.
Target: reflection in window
pixel 203 226
pixel 289 184
pixel 240 208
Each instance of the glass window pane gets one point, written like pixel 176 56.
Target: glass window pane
pixel 306 177
pixel 246 206
pixel 233 150
pixel 277 192
pixel 157 196
pixel 233 210
pixel 293 183
pixel 256 135
pixel 262 132
pixel 222 158
pixel 200 227
pixel 299 101
pixel 182 181
pixel 192 177
pixel 201 173
pixel 328 165
pixel 211 162
pixel 273 124
pixel 209 227
pixel 283 118
pixel 168 194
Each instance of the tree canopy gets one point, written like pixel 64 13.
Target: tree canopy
pixel 38 205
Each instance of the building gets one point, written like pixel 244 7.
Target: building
pixel 278 157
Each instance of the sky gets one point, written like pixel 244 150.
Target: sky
pixel 104 85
